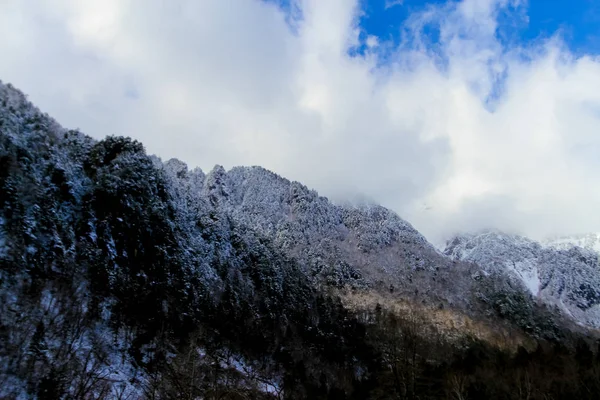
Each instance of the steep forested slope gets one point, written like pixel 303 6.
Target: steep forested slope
pixel 108 266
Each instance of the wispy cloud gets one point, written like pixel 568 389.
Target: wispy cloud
pixel 393 3
pixel 484 133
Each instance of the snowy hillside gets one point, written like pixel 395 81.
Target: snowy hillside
pixel 357 246
pixel 561 275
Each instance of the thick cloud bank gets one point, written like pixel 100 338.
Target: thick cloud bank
pixel 456 127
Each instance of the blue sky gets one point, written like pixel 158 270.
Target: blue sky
pixel 578 21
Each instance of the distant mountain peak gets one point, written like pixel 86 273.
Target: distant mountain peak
pixel 564 272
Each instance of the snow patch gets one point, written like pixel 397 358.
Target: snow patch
pixel 528 273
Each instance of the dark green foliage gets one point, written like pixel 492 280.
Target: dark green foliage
pixel 135 233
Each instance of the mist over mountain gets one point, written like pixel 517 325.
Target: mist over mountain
pixel 126 276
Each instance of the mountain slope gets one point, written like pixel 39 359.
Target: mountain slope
pixel 367 247
pixel 109 267
pixel 560 275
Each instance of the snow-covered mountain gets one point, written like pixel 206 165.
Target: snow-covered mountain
pixel 123 276
pixel 364 246
pixel 559 273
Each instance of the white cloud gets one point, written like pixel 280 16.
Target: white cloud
pixel 372 41
pixel 231 83
pixel 392 3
